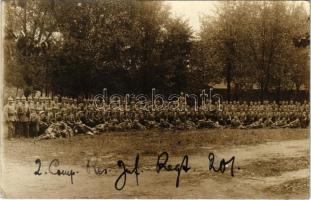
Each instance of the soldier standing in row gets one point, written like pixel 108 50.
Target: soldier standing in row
pixel 24 117
pixel 33 118
pixel 19 113
pixel 10 117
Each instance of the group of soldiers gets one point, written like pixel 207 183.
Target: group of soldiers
pixel 46 117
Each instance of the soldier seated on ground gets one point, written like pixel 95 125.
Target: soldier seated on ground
pixel 190 125
pixel 137 125
pixel 257 124
pixel 202 122
pixel 236 123
pixel 64 131
pixel 280 121
pixel 43 122
pixel 267 122
pixel 34 124
pixel 151 122
pixel 103 127
pixel 304 120
pixel 179 125
pixel 211 124
pixel 71 119
pixel 293 124
pixel 50 132
pixel 125 124
pixel 57 130
pixel 113 125
pixel 80 128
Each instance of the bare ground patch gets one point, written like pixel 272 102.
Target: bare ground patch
pixel 274 167
pixel 146 142
pixel 290 187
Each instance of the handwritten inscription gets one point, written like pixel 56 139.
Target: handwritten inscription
pixel 125 172
pixel 55 170
pixel 162 164
pixel 222 164
pixel 98 170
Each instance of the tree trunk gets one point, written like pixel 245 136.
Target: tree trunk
pixel 297 91
pixel 278 93
pixel 262 91
pixel 237 89
pixel 229 80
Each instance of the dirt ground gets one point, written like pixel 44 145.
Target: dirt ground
pixel 269 163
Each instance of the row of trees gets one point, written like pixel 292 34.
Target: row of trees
pixel 262 44
pixel 74 47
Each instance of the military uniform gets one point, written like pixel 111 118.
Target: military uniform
pixel 58 119
pixel 34 118
pixel 10 117
pixel 25 117
pixel 19 113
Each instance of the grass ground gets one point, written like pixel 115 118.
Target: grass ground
pixel 272 164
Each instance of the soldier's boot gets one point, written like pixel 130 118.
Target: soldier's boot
pixel 15 129
pixel 10 126
pixel 22 133
pixel 36 129
pixel 27 129
pixel 20 129
pixel 24 128
pixel 32 129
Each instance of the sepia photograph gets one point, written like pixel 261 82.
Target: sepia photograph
pixel 141 99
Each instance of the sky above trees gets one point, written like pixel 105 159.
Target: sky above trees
pixel 192 10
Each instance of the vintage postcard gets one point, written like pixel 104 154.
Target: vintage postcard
pixel 141 99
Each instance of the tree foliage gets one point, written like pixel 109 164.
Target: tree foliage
pixel 255 44
pixel 75 47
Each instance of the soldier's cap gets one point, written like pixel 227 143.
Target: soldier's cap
pixel 10 99
pixel 24 98
pixel 29 97
pixel 17 98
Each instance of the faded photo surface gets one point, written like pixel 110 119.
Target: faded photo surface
pixel 155 99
